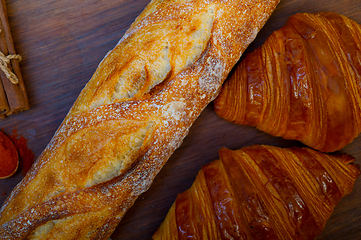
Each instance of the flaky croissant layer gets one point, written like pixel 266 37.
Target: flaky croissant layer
pixel 303 83
pixel 261 192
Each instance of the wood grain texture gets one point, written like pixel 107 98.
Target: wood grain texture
pixel 62 42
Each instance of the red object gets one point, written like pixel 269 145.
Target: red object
pixel 9 158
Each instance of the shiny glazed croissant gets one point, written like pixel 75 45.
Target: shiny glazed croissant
pixel 261 192
pixel 302 84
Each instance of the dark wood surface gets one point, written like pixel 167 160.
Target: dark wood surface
pixel 62 42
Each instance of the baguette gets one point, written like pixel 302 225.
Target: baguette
pixel 130 117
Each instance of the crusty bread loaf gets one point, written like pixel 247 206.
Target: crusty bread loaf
pixel 130 117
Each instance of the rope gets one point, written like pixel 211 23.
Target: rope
pixel 4 61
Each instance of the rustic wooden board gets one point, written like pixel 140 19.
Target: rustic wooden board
pixel 62 42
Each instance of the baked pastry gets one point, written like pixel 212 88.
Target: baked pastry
pixel 130 117
pixel 303 83
pixel 261 192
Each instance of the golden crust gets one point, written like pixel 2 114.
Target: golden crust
pixel 130 117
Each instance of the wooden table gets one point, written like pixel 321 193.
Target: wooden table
pixel 62 42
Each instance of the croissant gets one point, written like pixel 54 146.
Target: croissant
pixel 302 84
pixel 261 192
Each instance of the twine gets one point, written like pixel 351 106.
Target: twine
pixel 4 61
